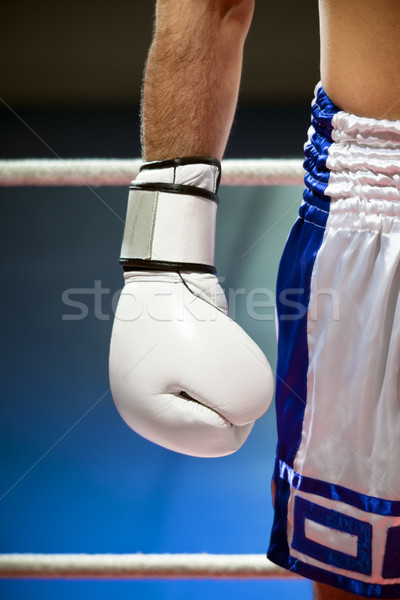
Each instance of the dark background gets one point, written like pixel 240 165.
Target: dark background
pixel 73 71
pixel 74 478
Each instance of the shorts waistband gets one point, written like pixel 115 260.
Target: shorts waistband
pixel 351 161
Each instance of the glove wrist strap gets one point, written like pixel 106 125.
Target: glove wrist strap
pixel 136 264
pixel 171 215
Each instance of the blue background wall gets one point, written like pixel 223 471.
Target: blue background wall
pixel 74 478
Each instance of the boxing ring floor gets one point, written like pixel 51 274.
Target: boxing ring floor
pixel 74 478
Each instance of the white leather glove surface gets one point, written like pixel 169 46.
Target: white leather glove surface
pixel 182 373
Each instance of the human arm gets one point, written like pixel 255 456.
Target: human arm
pixel 183 374
pixel 192 77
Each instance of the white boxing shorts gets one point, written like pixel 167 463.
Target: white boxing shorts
pixel 337 472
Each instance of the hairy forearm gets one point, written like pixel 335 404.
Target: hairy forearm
pixel 192 77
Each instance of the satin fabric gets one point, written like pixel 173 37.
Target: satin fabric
pixel 338 374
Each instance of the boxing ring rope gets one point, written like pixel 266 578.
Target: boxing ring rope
pixel 111 171
pixel 139 566
pixel 118 172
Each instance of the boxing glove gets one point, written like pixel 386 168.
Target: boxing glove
pixel 182 373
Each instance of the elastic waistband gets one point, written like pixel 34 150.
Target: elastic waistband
pixel 351 160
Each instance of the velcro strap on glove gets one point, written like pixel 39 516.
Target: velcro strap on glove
pixel 171 216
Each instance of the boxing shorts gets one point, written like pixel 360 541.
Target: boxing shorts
pixel 337 471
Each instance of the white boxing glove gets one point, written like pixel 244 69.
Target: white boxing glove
pixel 182 373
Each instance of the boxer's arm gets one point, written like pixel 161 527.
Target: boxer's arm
pixel 182 373
pixel 360 55
pixel 192 77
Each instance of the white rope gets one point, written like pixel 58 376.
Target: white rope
pixel 139 566
pixel 112 171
